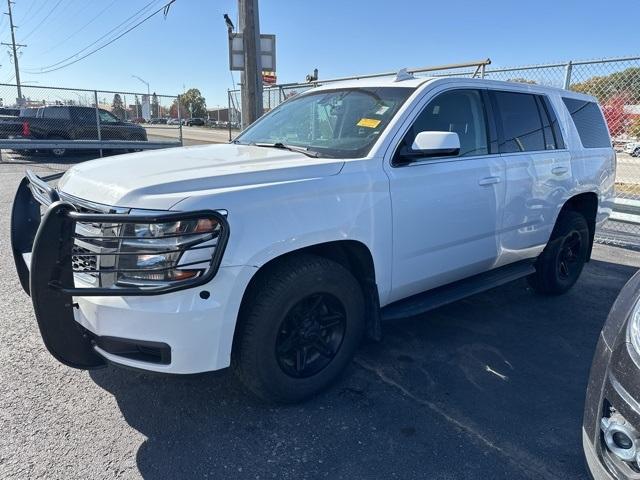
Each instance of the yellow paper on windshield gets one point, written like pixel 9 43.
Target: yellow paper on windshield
pixel 368 122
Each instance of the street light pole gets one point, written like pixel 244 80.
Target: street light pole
pixel 148 95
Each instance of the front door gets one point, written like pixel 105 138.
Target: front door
pixel 447 211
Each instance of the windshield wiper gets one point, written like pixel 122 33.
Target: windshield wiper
pixel 291 148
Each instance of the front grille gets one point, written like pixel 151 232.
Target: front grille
pixel 82 261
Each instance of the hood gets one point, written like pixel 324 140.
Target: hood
pixel 158 179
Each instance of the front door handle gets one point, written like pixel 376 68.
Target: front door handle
pixel 488 181
pixel 559 170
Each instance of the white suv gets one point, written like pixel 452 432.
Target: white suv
pixel 346 205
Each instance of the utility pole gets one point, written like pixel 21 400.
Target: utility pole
pixel 15 50
pixel 252 75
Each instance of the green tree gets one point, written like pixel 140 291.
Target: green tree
pixel 634 128
pixel 117 107
pixel 155 106
pixel 192 104
pixel 604 88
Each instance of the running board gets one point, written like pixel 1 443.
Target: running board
pixel 431 299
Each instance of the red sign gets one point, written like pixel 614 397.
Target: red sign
pixel 269 78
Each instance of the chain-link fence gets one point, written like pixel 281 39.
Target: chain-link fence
pixel 615 82
pixel 55 120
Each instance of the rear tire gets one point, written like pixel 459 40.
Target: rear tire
pixel 560 264
pixel 58 152
pixel 298 329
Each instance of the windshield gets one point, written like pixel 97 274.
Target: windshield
pixel 341 123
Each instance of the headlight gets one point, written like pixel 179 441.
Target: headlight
pixel 166 252
pixel 634 327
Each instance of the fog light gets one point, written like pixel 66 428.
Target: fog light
pixel 620 437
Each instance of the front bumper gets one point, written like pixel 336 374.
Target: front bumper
pixel 614 386
pixel 184 328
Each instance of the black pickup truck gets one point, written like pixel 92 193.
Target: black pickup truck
pixel 68 123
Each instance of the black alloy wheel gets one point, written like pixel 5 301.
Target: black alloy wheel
pixel 310 335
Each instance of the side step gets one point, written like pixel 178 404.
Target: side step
pixel 429 300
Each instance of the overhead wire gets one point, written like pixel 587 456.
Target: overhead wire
pixel 42 21
pixel 126 22
pixel 69 37
pixel 48 70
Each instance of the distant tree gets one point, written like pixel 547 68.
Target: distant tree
pixel 136 101
pixel 192 104
pixel 625 82
pixel 155 106
pixel 117 107
pixel 634 127
pixel 522 80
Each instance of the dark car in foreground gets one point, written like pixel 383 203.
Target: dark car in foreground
pixel 611 426
pixel 69 123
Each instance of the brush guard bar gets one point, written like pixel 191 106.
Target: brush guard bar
pixel 49 279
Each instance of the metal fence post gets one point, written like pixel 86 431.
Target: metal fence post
pixel 567 75
pixel 482 69
pixel 179 120
pixel 95 99
pixel 229 111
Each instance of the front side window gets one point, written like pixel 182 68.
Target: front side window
pixel 459 111
pixel 589 122
pixel 342 123
pixel 108 117
pixel 85 115
pixel 522 129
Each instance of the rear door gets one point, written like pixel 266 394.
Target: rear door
pixel 447 210
pixel 537 170
pixel 85 123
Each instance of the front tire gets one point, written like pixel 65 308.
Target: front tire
pixel 560 264
pixel 299 328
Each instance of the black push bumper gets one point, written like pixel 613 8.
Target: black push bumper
pixel 49 279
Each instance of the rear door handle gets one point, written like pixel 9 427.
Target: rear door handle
pixel 488 181
pixel 559 170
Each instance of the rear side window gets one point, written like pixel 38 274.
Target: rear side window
pixel 522 128
pixel 56 112
pixel 589 122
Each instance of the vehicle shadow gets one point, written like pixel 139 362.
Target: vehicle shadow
pixel 491 386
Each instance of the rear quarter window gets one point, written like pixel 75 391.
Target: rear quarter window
pixel 589 122
pixel 56 112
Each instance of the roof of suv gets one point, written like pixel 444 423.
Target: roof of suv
pixel 415 82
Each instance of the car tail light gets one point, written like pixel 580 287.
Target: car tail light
pixel 26 129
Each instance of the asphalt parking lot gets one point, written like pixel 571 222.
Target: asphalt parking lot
pixel 488 387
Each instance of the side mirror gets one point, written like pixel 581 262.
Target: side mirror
pixel 432 144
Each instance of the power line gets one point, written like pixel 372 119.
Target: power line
pixel 43 20
pixel 125 22
pixel 81 28
pixel 26 14
pixel 163 8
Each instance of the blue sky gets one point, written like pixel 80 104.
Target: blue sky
pixel 338 37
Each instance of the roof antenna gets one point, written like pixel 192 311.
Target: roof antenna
pixel 403 75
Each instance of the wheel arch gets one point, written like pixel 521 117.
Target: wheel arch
pixel 586 204
pixel 354 255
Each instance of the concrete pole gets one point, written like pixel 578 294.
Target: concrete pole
pixel 252 75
